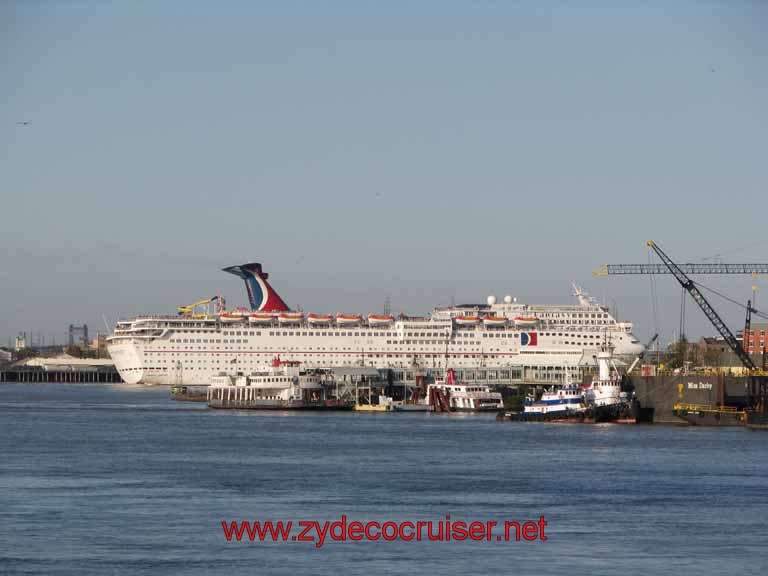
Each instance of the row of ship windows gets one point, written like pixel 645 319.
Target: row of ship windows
pixel 577 315
pixel 311 355
pixel 240 341
pixel 569 335
pixel 311 350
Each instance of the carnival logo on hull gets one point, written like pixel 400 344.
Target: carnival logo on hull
pixel 529 339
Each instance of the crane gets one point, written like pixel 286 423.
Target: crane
pixel 622 269
pixel 705 306
pixel 642 354
pixel 189 310
pixel 758 381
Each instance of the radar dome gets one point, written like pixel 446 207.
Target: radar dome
pixel 491 300
pixel 507 299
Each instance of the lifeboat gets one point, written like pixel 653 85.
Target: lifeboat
pixel 232 316
pixel 526 321
pixel 495 321
pixel 319 318
pixel 257 318
pixel 290 317
pixel 467 320
pixel 380 319
pixel 348 319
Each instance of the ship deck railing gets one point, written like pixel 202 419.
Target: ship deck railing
pixel 706 408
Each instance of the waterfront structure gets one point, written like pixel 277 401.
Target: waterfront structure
pixel 495 342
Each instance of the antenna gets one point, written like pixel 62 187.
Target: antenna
pixel 106 324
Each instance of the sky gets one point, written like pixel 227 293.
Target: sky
pixel 426 151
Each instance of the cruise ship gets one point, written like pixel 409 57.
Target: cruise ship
pixel 494 342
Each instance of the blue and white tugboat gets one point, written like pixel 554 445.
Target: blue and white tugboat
pixel 601 400
pixel 556 401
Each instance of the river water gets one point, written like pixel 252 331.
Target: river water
pixel 114 479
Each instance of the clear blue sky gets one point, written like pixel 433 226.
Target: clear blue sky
pixel 425 150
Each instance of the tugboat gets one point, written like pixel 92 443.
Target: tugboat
pixel 601 400
pixel 556 401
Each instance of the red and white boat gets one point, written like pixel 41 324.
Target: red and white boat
pixel 257 318
pixel 233 316
pixel 290 317
pixel 348 319
pixel 380 319
pixel 495 321
pixel 467 320
pixel 526 321
pixel 319 319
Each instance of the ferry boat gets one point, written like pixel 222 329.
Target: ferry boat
pixel 283 387
pixel 482 341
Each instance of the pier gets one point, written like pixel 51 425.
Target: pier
pixel 30 375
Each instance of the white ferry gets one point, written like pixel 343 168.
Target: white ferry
pixel 496 342
pixel 282 387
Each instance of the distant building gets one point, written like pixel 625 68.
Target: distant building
pixel 21 341
pixel 755 343
pixel 5 356
pixel 754 340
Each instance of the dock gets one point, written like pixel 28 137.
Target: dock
pixel 81 375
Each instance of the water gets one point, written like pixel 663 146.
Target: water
pixel 113 479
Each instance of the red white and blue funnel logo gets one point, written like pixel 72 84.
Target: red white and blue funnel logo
pixel 261 295
pixel 529 339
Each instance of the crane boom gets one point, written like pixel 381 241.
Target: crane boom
pixel 190 308
pixel 620 269
pixel 698 297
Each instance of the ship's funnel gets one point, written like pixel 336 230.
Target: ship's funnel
pixel 260 294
